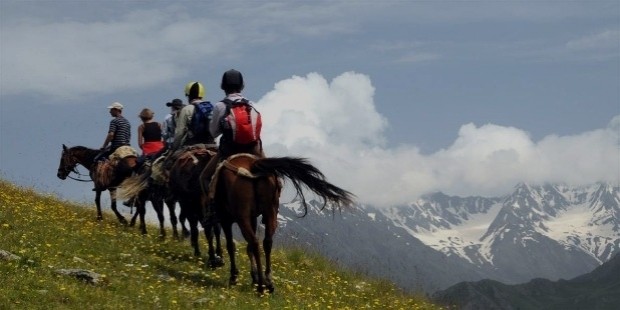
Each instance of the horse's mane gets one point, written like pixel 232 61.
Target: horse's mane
pixel 81 148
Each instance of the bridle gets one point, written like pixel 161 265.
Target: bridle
pixel 69 165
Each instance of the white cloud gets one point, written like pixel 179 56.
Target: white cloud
pixel 336 125
pixel 608 39
pixel 70 59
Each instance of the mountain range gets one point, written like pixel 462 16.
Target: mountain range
pixel 546 231
pixel 599 289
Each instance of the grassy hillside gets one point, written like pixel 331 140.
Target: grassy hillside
pixel 143 272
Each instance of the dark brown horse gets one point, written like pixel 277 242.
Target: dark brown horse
pixel 183 185
pixel 158 195
pixel 246 187
pixel 71 157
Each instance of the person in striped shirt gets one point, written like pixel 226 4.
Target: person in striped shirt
pixel 119 132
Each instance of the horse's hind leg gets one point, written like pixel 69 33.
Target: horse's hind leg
pixel 270 229
pixel 158 205
pixel 230 248
pixel 132 223
pixel 214 259
pixel 173 217
pixel 248 229
pixel 182 220
pixel 142 212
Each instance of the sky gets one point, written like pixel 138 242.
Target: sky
pixel 390 99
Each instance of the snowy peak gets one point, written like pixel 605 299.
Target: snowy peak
pixel 605 205
pixel 576 225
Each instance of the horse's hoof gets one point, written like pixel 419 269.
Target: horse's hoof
pixel 123 221
pixel 232 281
pixel 99 218
pixel 216 262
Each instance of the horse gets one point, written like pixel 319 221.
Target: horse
pixel 245 186
pixel 159 196
pixel 71 157
pixel 183 185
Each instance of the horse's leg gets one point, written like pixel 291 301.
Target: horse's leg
pixel 209 228
pixel 141 209
pixel 230 248
pixel 132 223
pixel 270 220
pixel 217 229
pixel 182 220
pixel 170 202
pixel 270 229
pixel 248 229
pixel 158 205
pixel 192 218
pixel 98 204
pixel 119 216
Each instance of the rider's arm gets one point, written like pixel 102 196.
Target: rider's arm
pixel 214 125
pixel 110 135
pixel 183 120
pixel 140 135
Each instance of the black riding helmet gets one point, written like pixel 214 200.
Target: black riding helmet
pixel 232 81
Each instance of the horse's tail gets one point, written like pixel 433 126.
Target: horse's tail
pixel 302 174
pixel 133 185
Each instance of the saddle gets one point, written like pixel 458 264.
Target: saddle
pixel 228 165
pixel 111 171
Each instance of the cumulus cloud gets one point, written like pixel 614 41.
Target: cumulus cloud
pixel 336 125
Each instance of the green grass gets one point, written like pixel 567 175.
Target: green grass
pixel 143 272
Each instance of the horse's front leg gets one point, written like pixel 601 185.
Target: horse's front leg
pixel 98 205
pixel 119 216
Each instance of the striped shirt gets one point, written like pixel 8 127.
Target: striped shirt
pixel 122 132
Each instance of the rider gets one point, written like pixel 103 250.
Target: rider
pixel 119 132
pixel 170 121
pixel 183 134
pixel 232 85
pixel 149 134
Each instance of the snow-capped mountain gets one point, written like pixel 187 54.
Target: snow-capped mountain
pixel 548 231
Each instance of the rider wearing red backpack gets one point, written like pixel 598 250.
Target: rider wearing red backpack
pixel 236 120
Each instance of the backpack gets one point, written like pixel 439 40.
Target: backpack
pixel 199 125
pixel 241 121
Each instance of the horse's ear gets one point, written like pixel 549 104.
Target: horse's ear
pixel 64 147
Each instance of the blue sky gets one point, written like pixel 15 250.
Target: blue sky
pixel 391 99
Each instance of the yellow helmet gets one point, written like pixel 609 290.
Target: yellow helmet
pixel 194 90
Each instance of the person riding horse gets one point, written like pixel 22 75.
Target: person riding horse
pixel 119 132
pixel 232 85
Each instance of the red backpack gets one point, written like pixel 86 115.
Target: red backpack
pixel 242 121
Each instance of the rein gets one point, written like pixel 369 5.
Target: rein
pixel 78 176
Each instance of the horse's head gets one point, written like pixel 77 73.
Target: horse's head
pixel 68 162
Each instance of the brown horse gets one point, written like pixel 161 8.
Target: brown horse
pixel 71 157
pixel 246 187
